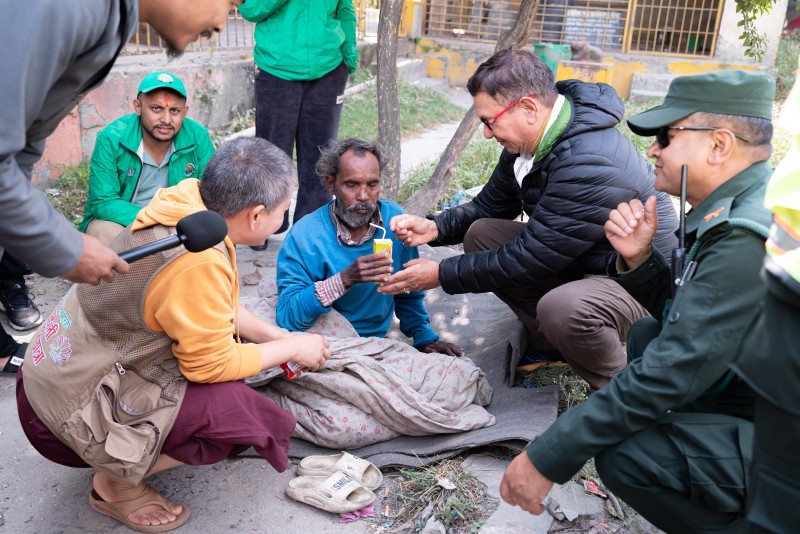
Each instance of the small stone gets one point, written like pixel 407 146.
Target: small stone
pixel 251 279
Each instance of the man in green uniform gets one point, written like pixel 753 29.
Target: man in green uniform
pixel 672 433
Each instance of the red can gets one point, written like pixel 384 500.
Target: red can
pixel 292 370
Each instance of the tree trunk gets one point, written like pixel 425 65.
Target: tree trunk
pixel 388 105
pixel 427 197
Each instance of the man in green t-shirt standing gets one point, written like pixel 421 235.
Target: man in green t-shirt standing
pixel 304 51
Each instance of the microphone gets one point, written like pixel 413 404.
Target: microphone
pixel 196 232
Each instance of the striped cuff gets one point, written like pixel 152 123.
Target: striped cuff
pixel 327 291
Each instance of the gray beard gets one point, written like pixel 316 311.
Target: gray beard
pixel 353 219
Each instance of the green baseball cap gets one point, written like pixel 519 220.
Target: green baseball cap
pixel 162 80
pixel 727 92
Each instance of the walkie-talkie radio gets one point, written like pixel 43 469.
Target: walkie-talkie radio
pixel 679 254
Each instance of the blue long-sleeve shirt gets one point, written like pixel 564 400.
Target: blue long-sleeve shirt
pixel 311 252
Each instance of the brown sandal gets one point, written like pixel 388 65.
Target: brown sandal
pixel 121 509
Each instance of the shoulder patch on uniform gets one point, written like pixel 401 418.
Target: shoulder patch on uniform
pixel 717 214
pixel 713 214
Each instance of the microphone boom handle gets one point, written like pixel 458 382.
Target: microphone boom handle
pixel 155 247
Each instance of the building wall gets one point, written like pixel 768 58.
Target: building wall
pixel 729 46
pixel 456 60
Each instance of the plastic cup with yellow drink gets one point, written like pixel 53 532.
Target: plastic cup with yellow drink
pixel 381 244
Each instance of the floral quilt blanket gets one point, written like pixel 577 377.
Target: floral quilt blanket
pixel 374 389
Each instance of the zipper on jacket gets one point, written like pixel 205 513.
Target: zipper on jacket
pixel 156 430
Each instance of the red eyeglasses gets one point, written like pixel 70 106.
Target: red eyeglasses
pixel 488 122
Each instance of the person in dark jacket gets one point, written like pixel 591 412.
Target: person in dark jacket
pixel 566 167
pixel 672 434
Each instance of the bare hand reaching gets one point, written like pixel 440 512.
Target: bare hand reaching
pixel 412 230
pixel 524 486
pixel 369 268
pixel 630 230
pixel 98 262
pixel 417 275
pixel 442 347
pixel 311 350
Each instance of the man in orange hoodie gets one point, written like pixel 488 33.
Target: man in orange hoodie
pixel 142 374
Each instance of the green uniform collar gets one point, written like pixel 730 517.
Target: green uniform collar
pixel 716 208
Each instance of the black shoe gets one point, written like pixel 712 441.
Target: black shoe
pixel 16 355
pixel 261 248
pixel 18 304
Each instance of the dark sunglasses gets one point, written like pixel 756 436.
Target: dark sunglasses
pixel 662 135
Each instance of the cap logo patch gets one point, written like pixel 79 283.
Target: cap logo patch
pixel 164 78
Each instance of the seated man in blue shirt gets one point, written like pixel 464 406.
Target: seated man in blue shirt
pixel 138 154
pixel 326 260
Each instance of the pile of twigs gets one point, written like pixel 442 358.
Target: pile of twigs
pixel 442 491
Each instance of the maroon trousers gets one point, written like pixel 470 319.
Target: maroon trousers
pixel 586 320
pixel 214 422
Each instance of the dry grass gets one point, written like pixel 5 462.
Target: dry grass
pixel 572 389
pixel 68 194
pixel 442 491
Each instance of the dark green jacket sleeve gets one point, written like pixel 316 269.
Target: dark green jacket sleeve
pixel 650 284
pixel 707 321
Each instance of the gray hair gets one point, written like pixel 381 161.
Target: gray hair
pixel 757 129
pixel 512 74
pixel 331 154
pixel 247 172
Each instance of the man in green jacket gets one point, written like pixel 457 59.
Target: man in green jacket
pixel 134 156
pixel 304 51
pixel 672 433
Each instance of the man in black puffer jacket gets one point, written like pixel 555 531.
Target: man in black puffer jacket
pixel 566 166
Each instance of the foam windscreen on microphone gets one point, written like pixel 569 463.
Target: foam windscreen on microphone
pixel 201 230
